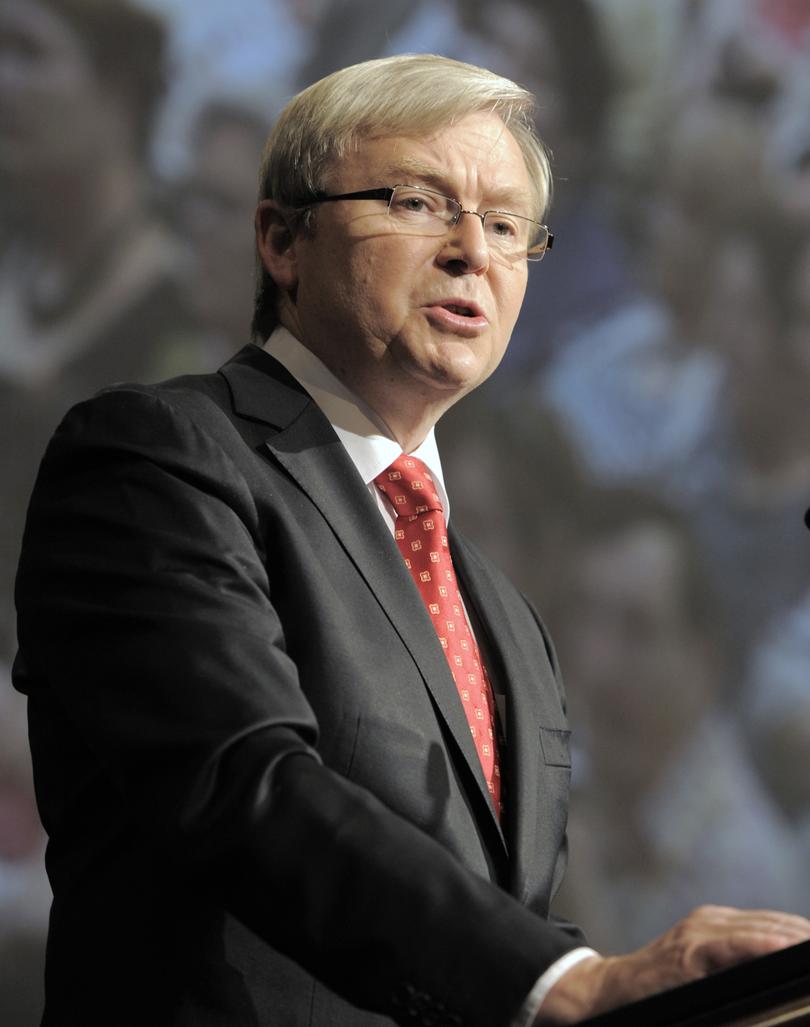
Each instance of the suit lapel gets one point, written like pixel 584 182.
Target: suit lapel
pixel 508 657
pixel 309 450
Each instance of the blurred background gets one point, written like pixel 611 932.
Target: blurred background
pixel 650 424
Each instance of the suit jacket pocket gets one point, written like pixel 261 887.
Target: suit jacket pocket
pixel 554 743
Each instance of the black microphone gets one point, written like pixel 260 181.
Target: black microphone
pixel 807 519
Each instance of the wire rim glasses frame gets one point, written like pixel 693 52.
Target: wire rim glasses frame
pixel 512 236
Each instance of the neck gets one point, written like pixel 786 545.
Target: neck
pixel 407 407
pixel 409 422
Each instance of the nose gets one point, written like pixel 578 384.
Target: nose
pixel 464 249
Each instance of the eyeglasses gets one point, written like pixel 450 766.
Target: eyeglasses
pixel 425 212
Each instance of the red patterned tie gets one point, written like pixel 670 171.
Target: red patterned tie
pixel 421 534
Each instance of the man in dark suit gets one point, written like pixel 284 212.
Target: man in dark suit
pixel 271 799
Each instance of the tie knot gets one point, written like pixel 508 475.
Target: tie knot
pixel 409 486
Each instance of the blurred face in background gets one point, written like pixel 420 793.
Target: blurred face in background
pixel 515 41
pixel 638 672
pixel 679 246
pixel 799 328
pixel 765 360
pixel 215 217
pixel 738 317
pixel 56 117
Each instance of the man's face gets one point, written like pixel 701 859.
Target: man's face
pixel 382 308
pixel 55 114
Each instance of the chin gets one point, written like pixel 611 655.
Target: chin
pixel 453 378
pixel 458 365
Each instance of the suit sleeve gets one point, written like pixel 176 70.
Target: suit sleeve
pixel 146 615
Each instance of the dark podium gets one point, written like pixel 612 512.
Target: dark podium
pixel 765 992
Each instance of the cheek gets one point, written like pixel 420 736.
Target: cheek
pixel 380 290
pixel 513 293
pixel 353 295
pixel 342 295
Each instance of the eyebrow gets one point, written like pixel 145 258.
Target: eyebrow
pixel 418 172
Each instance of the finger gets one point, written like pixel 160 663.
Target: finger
pixel 736 947
pixel 728 917
pixel 761 924
pixel 779 918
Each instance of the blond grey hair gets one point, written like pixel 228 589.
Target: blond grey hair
pixel 411 94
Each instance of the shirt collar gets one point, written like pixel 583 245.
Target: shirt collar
pixel 364 435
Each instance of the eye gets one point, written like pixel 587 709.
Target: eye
pixel 503 227
pixel 412 201
pixel 414 204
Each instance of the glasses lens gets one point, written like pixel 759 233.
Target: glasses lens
pixel 426 212
pixel 542 243
pixel 514 236
pixel 422 209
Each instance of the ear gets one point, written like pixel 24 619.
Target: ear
pixel 275 244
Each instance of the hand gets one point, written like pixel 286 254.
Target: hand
pixel 709 939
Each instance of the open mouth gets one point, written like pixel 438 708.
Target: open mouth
pixel 456 308
pixel 460 306
pixel 458 316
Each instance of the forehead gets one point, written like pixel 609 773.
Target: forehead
pixel 476 159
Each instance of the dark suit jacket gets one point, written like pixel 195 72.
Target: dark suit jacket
pixel 263 801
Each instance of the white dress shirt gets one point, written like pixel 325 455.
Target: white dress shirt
pixel 366 438
pixel 371 447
